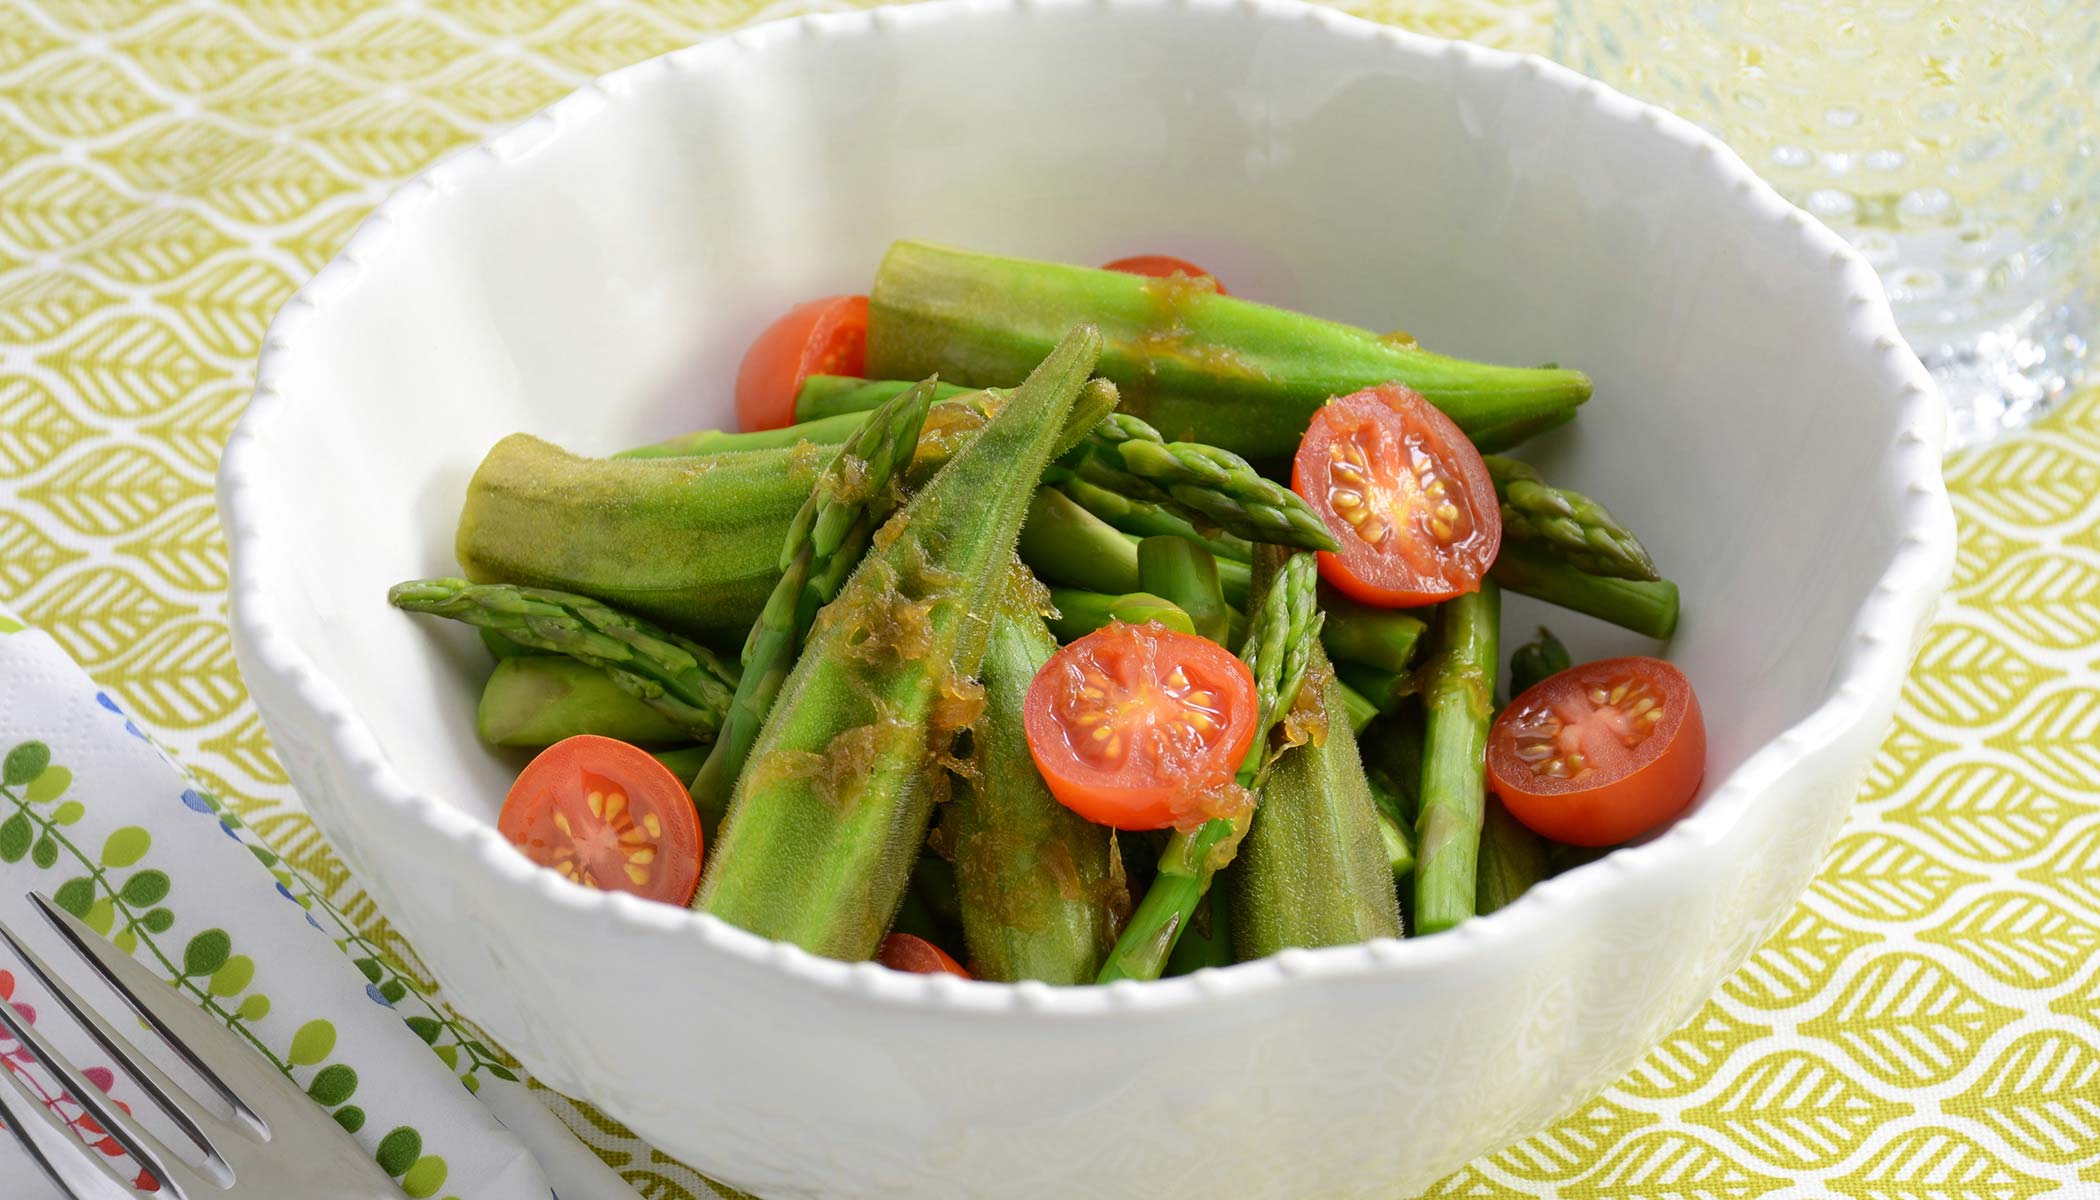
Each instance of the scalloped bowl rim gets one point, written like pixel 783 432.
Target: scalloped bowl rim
pixel 1875 656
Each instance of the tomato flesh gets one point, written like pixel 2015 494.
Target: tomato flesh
pixel 1405 495
pixel 1600 753
pixel 1141 726
pixel 1163 266
pixel 904 952
pixel 605 815
pixel 819 337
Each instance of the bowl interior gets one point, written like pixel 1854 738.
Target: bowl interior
pixel 598 289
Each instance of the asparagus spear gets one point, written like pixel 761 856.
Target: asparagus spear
pixel 1512 858
pixel 1184 574
pixel 683 761
pixel 853 496
pixel 1508 435
pixel 1313 869
pixel 1459 699
pixel 1081 612
pixel 1376 637
pixel 1283 634
pixel 1038 888
pixel 1142 518
pixel 1067 545
pixel 1385 690
pixel 1399 852
pixel 1207 942
pixel 500 647
pixel 1645 607
pixel 1128 456
pixel 1565 524
pixel 680 679
pixel 830 395
pixel 1357 707
pixel 1393 759
pixel 828 819
pixel 539 699
pixel 1535 661
pixel 1197 365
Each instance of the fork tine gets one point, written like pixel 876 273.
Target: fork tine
pixel 79 1172
pixel 203 1045
pixel 175 1175
pixel 164 1091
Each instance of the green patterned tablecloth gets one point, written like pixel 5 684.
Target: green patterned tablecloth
pixel 1923 1026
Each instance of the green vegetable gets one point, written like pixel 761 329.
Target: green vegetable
pixel 683 761
pixel 1142 518
pixel 1207 942
pixel 1512 858
pixel 691 543
pixel 1458 696
pixel 831 395
pixel 1392 750
pixel 1399 852
pixel 1081 612
pixel 856 493
pixel 500 647
pixel 1535 661
pixel 539 699
pixel 830 431
pixel 1066 545
pixel 1280 644
pixel 1563 524
pixel 1376 637
pixel 1184 574
pixel 1357 707
pixel 1198 366
pixel 1312 869
pixel 1384 690
pixel 829 817
pixel 1039 891
pixel 680 679
pixel 1510 434
pixel 1645 607
pixel 933 885
pixel 1213 486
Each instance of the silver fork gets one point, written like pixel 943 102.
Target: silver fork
pixel 296 1151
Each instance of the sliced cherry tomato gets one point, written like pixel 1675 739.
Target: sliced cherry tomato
pixel 1140 726
pixel 1404 493
pixel 821 337
pixel 903 952
pixel 1600 753
pixel 607 816
pixel 1163 266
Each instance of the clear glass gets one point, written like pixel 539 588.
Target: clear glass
pixel 1952 141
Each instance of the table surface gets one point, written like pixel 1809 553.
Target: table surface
pixel 1924 1024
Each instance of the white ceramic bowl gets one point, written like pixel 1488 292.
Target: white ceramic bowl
pixel 592 274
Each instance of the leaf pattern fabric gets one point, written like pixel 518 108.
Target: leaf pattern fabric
pixel 1922 1026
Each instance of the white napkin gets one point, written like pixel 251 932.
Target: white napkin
pixel 96 815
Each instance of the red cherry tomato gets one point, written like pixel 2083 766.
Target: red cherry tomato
pixel 1600 753
pixel 820 337
pixel 607 816
pixel 1141 727
pixel 1163 266
pixel 1404 493
pixel 903 952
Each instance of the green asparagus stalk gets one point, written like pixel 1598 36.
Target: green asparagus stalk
pixel 1357 707
pixel 1313 869
pixel 1128 456
pixel 1282 638
pixel 682 761
pixel 1081 612
pixel 1197 365
pixel 1508 435
pixel 1376 637
pixel 1458 697
pixel 1393 759
pixel 830 395
pixel 1142 518
pixel 1184 574
pixel 682 680
pixel 1399 855
pixel 828 431
pixel 539 699
pixel 1536 661
pixel 1207 942
pixel 1038 889
pixel 500 647
pixel 1645 607
pixel 829 817
pixel 1385 690
pixel 855 495
pixel 1512 858
pixel 1564 524
pixel 1065 545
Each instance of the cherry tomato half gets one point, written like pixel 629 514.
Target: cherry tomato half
pixel 1404 493
pixel 820 337
pixel 1140 726
pixel 607 816
pixel 903 952
pixel 1163 266
pixel 1600 753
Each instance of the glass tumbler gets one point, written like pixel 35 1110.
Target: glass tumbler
pixel 1952 141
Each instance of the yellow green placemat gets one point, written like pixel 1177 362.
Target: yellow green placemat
pixel 1925 1025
